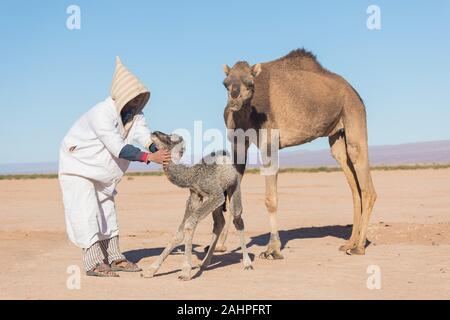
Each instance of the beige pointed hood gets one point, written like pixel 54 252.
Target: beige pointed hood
pixel 125 87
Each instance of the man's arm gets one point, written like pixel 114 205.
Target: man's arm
pixel 104 127
pixel 131 153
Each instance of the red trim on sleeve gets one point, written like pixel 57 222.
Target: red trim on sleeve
pixel 143 157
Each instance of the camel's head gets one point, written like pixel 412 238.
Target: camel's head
pixel 240 83
pixel 171 142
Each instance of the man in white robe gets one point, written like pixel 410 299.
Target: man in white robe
pixel 94 156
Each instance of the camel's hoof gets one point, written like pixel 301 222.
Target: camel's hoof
pixel 220 249
pixel 347 246
pixel 184 277
pixel 356 251
pixel 271 255
pixel 247 263
pixel 185 274
pixel 148 274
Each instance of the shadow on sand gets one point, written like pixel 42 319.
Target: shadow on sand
pixel 224 259
pixel 341 232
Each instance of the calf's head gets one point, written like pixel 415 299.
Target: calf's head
pixel 170 142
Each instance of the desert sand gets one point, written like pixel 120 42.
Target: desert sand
pixel 409 235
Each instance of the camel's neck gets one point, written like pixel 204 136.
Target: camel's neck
pixel 238 119
pixel 179 175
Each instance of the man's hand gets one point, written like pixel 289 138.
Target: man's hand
pixel 161 156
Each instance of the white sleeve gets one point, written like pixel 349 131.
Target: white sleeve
pixel 142 132
pixel 104 126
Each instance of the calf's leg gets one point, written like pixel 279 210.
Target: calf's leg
pixel 192 203
pixel 219 222
pixel 236 210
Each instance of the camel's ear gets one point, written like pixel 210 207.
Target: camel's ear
pixel 176 138
pixel 256 69
pixel 226 69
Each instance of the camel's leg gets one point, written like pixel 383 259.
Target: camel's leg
pixel 274 246
pixel 339 152
pixel 239 162
pixel 219 222
pixel 213 201
pixel 189 228
pixel 236 210
pixel 192 203
pixel 239 224
pixel 357 151
pixel 368 195
pixel 176 240
pixel 223 236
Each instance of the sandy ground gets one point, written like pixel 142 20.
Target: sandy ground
pixel 409 234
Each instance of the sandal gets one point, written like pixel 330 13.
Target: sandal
pixel 101 270
pixel 128 266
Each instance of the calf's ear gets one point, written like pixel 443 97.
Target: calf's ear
pixel 256 69
pixel 226 69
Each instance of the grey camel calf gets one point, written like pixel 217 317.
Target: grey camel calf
pixel 210 181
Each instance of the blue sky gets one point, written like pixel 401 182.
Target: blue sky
pixel 51 75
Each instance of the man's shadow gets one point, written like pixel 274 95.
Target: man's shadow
pixel 232 257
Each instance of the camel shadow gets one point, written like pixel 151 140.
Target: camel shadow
pixel 218 261
pixel 139 254
pixel 336 231
pixel 221 260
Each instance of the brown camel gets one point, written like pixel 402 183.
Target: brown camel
pixel 304 101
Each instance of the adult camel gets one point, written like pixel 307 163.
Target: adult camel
pixel 304 101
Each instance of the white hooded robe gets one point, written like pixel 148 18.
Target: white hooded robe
pixel 89 163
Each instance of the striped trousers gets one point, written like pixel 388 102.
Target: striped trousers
pixel 105 251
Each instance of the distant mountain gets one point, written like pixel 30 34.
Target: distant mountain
pixel 52 167
pixel 409 153
pixel 26 168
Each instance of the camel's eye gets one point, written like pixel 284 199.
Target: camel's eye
pixel 226 82
pixel 249 83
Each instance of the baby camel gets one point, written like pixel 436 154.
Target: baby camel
pixel 209 182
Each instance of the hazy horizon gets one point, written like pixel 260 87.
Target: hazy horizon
pixel 430 152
